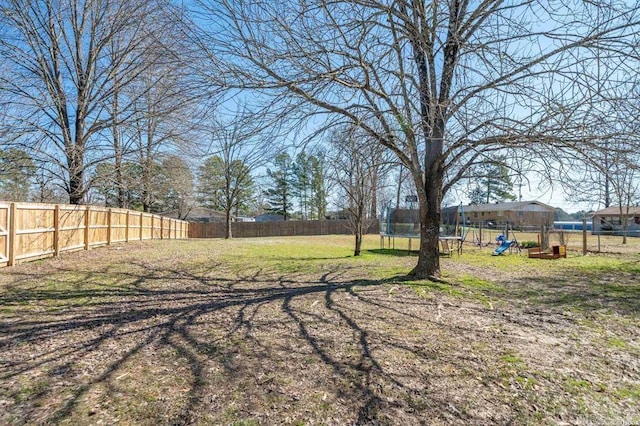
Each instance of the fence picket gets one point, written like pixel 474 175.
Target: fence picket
pixel 12 235
pixel 45 230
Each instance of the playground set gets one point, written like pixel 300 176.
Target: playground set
pixel 405 223
pixel 504 244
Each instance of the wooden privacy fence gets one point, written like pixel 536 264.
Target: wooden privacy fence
pixel 31 231
pixel 277 229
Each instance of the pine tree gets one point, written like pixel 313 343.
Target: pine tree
pixel 302 183
pixel 494 184
pixel 16 169
pixel 226 186
pixel 318 186
pixel 280 194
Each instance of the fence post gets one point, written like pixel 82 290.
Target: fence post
pixel 109 227
pixel 87 216
pixel 161 227
pixel 153 224
pixel 141 221
pixel 126 229
pixel 584 236
pixel 12 235
pixel 56 230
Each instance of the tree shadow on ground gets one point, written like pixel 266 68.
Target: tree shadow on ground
pixel 393 252
pixel 221 348
pixel 579 292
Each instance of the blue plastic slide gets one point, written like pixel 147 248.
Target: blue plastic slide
pixel 502 248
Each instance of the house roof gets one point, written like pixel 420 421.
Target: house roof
pixel 269 217
pixel 514 205
pixel 197 212
pixel 615 211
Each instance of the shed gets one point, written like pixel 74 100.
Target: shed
pixel 609 221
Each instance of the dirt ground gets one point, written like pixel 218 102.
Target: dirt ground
pixel 248 333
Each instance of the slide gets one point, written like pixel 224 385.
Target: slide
pixel 502 248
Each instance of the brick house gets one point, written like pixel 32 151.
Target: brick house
pixel 519 214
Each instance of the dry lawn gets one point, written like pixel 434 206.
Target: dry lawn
pixel 295 331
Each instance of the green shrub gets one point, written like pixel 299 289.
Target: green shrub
pixel 528 244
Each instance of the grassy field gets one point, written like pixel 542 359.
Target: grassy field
pixel 296 331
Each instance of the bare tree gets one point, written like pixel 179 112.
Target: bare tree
pixel 355 163
pixel 624 171
pixel 610 176
pixel 63 73
pixel 443 84
pixel 158 125
pixel 162 114
pixel 239 146
pixel 626 186
pixel 176 186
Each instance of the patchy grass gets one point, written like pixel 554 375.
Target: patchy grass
pixel 298 331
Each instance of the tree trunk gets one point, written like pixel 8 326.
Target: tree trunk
pixel 358 245
pixel 374 194
pixel 357 217
pixel 624 223
pixel 358 230
pixel 119 175
pixel 430 200
pixel 428 265
pixel 146 189
pixel 117 151
pixel 75 187
pixel 399 187
pixel 76 175
pixel 227 229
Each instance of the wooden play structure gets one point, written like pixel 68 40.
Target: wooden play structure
pixel 555 253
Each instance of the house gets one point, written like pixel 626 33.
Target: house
pixel 609 221
pixel 199 215
pixel 269 217
pixel 245 219
pixel 518 214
